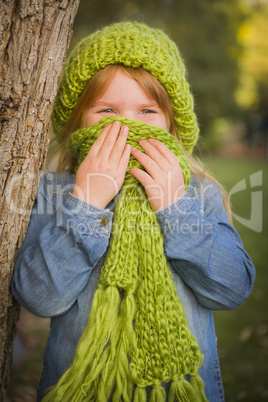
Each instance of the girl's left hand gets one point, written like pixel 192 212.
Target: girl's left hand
pixel 163 179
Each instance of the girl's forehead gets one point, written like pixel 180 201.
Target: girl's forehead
pixel 124 87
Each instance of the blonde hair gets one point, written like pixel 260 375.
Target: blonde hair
pixel 95 87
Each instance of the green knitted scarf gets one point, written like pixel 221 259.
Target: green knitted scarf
pixel 137 338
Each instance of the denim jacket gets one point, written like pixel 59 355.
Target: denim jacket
pixel 61 257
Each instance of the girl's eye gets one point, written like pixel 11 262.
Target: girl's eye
pixel 106 111
pixel 145 111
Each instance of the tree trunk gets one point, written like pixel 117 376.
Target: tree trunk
pixel 34 36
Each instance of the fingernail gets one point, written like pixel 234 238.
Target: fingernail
pixel 124 129
pixel 117 124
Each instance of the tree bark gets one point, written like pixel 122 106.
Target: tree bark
pixel 34 36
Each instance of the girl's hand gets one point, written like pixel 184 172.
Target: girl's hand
pixel 100 176
pixel 163 180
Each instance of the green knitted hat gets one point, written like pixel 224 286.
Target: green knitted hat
pixel 136 45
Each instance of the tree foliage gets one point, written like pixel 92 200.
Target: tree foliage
pixel 253 62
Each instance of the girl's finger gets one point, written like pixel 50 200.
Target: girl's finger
pixel 161 160
pixel 143 177
pixel 122 166
pixel 148 163
pixel 163 150
pixel 119 145
pixel 99 141
pixel 107 142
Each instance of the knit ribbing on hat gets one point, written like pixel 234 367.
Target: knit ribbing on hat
pixel 131 44
pixel 137 337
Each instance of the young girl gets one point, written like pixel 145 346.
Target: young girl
pixel 130 248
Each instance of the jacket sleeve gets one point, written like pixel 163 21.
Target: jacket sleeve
pixel 63 243
pixel 205 249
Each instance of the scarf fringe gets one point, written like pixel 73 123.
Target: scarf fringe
pixel 158 394
pixel 97 380
pixel 180 390
pixel 92 345
pixel 115 377
pixel 199 387
pixel 140 395
pixel 107 370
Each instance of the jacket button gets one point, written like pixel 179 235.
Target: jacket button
pixel 104 221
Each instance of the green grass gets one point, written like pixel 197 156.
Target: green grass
pixel 243 333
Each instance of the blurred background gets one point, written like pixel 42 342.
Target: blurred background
pixel 225 47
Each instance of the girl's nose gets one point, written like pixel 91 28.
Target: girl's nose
pixel 128 115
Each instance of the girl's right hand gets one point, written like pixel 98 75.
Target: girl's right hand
pixel 101 175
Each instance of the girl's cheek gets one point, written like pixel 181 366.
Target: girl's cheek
pixel 90 120
pixel 159 121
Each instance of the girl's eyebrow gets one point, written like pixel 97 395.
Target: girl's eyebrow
pixel 103 103
pixel 112 103
pixel 97 102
